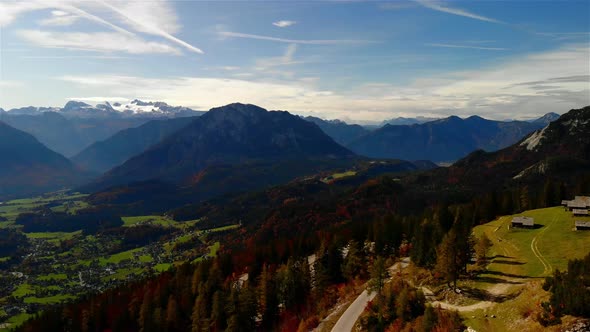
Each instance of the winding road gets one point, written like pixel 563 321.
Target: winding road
pixel 356 308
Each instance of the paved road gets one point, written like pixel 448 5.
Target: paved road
pixel 350 316
pixel 354 311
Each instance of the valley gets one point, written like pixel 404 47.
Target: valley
pixel 54 267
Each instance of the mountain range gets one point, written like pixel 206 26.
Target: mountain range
pixel 342 132
pixel 441 140
pixel 232 134
pixel 104 155
pixel 560 150
pixel 77 125
pixel 135 108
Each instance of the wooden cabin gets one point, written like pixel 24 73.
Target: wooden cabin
pixel 525 222
pixel 582 225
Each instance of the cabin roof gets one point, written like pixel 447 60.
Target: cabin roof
pixel 525 221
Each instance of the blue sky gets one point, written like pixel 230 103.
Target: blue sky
pixel 354 60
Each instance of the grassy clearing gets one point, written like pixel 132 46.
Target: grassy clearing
pixel 117 258
pixel 555 241
pixel 15 321
pixel 337 176
pixel 49 300
pixel 71 207
pixel 152 220
pixel 162 267
pixel 53 276
pixel 53 235
pixel 23 290
pixel 520 259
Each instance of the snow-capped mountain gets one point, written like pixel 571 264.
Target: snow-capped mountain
pixel 138 107
pixel 135 108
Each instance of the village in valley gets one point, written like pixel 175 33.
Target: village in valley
pixel 56 267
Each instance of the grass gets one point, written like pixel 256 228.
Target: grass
pixel 53 235
pixel 23 290
pixel 555 240
pixel 50 299
pixel 117 258
pixel 213 249
pixel 53 276
pixel 153 220
pixel 162 267
pixel 337 176
pixel 11 209
pixel 524 257
pixel 15 321
pixel 71 207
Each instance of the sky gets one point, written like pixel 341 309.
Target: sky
pixel 358 61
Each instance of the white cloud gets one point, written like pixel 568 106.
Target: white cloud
pixel 151 17
pixel 100 99
pixel 466 46
pixel 96 41
pixel 438 6
pixel 293 41
pixel 284 23
pixel 494 92
pixel 156 17
pixel 59 18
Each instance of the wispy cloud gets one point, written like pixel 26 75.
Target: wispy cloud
pixel 97 42
pixel 293 41
pixel 438 6
pixel 492 92
pixel 59 18
pixel 156 18
pixel 61 57
pixel 466 46
pixel 284 23
pixel 150 21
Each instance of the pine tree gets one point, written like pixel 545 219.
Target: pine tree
pixel 481 249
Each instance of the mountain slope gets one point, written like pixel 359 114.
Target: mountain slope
pixel 560 150
pixel 28 167
pixel 104 155
pixel 232 134
pixel 441 140
pixel 341 132
pixel 68 136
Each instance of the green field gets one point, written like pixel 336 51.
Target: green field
pixel 520 259
pixel 70 202
pixel 49 299
pixel 53 276
pixel 117 258
pixel 535 252
pixel 337 176
pixel 152 220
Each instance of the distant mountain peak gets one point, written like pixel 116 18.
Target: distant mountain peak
pixel 135 108
pixel 547 118
pixel 72 104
